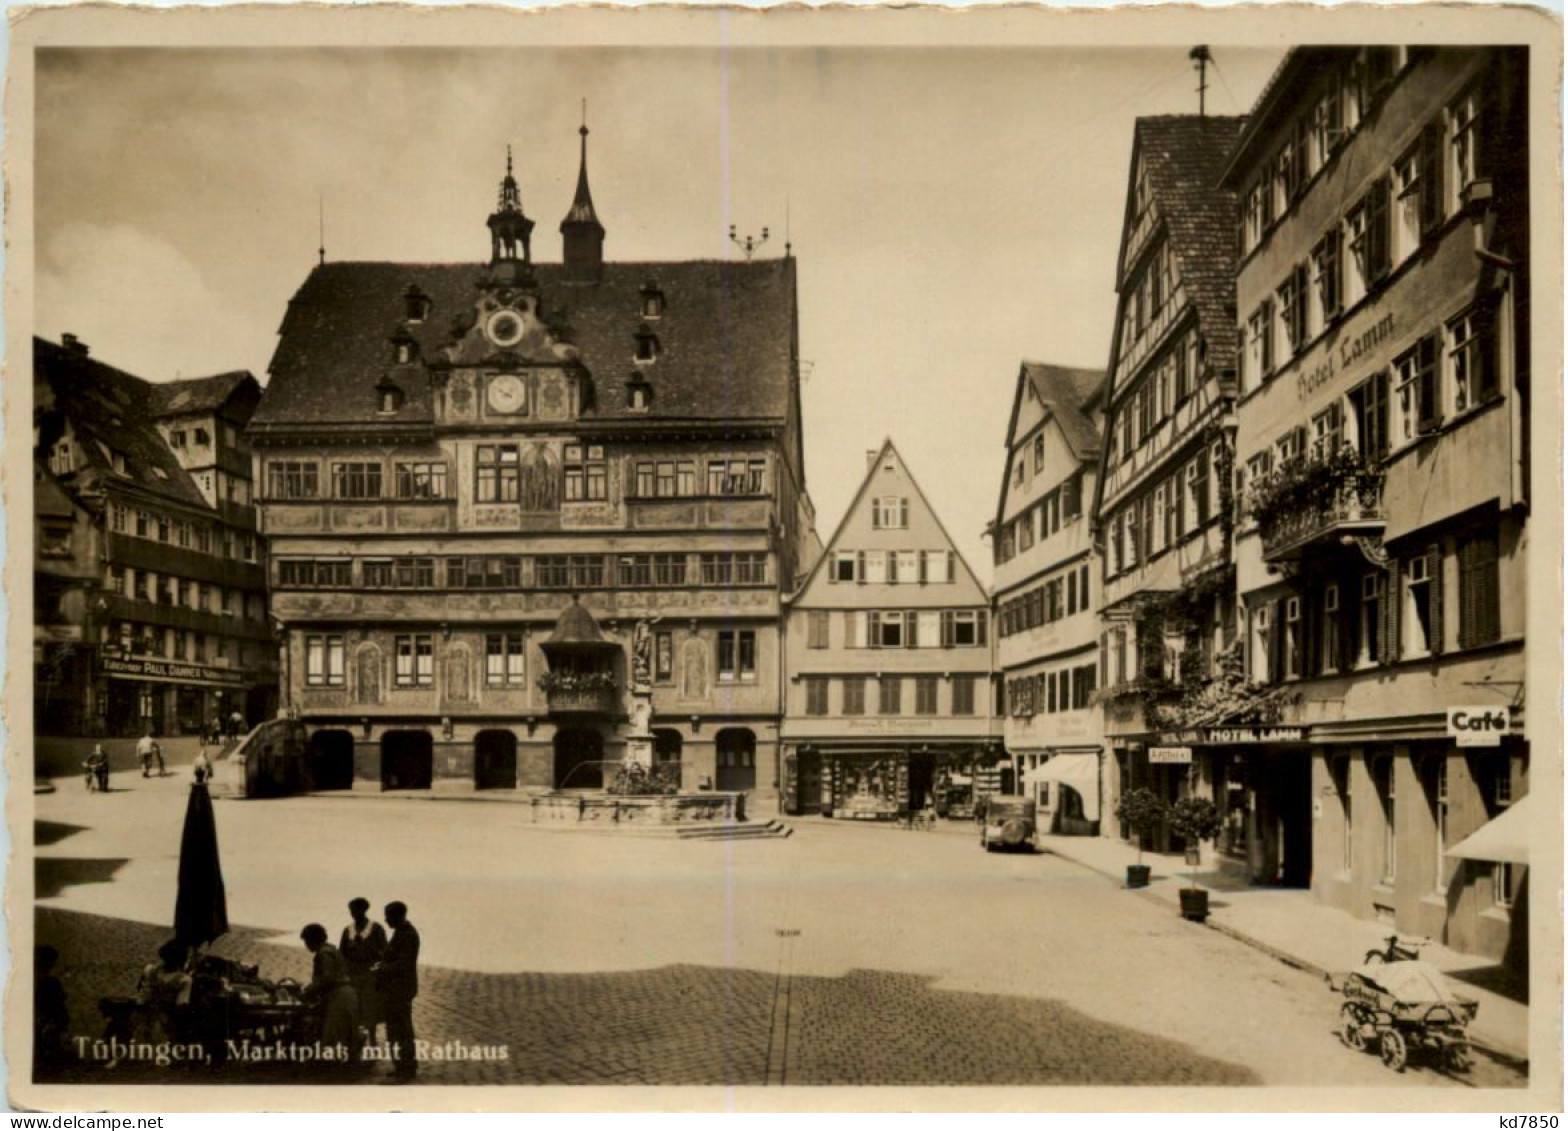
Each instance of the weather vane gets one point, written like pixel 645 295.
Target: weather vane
pixel 748 245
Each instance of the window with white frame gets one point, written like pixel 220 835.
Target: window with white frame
pixel 1262 643
pixel 1329 630
pixel 874 567
pixel 1439 773
pixel 737 661
pixel 1374 592
pixel 1294 642
pixel 844 565
pixel 889 512
pixel 415 661
pixel 1327 287
pixel 1464 145
pixel 1416 405
pixel 1328 432
pixel 1260 344
pixel 324 661
pixel 1409 191
pixel 1382 767
pixel 504 659
pixel 1471 379
pixel 1291 305
pixel 1418 618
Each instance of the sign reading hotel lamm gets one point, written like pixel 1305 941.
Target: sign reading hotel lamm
pixel 159 669
pixel 1235 736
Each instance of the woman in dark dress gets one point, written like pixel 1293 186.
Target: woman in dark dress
pixel 332 991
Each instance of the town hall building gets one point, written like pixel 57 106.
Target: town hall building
pixel 485 482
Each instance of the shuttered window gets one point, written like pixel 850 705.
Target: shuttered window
pixel 817 629
pixel 1479 614
pixel 854 696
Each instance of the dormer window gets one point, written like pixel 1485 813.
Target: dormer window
pixel 416 304
pixel 405 350
pixel 389 397
pixel 639 394
pixel 202 438
pixel 652 301
pixel 177 438
pixel 647 346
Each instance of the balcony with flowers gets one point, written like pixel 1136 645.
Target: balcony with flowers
pixel 1309 501
pixel 582 676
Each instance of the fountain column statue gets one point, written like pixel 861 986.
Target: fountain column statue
pixel 639 744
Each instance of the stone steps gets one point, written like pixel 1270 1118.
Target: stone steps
pixel 746 830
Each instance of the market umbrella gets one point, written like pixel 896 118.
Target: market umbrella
pixel 201 912
pixel 1504 838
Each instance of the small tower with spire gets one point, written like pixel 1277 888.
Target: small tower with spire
pixel 510 232
pixel 582 236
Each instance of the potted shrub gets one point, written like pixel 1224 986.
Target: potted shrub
pixel 1195 820
pixel 1141 810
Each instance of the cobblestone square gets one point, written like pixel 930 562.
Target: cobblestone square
pixel 843 955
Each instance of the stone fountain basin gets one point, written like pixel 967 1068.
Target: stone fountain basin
pixel 598 807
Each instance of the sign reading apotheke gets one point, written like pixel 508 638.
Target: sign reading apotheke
pixel 1170 755
pixel 1477 726
pixel 160 669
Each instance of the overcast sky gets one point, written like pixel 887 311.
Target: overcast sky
pixel 952 211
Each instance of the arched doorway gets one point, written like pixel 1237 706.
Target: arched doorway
pixel 579 753
pixel 407 759
pixel 331 758
pixel 666 745
pixel 736 757
pixel 495 760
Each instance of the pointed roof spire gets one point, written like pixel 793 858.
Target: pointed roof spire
pixel 582 210
pixel 509 200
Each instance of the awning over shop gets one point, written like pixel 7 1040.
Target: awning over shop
pixel 1504 838
pixel 1081 771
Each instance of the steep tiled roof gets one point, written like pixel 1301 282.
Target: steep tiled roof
pixel 110 410
pixel 1185 155
pixel 197 394
pixel 725 338
pixel 1072 396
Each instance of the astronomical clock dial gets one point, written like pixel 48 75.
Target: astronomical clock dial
pixel 504 328
pixel 506 393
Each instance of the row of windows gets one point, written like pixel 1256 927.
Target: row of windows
pixel 669 479
pixel 1056 509
pixel 136 639
pixel 202 537
pixel 1380 616
pixel 1313 138
pixel 1047 693
pixel 1159 519
pixel 513 571
pixel 1443 375
pixel 1148 296
pixel 500 473
pixel 890 694
pixel 1379 232
pixel 505 663
pixel 904 628
pixel 894 567
pixel 180 592
pixel 1050 601
pixel 1493 780
pixel 1170 382
pixel 899 628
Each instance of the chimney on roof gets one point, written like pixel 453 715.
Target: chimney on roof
pixel 73 345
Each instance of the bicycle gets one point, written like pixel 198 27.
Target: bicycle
pixel 1396 949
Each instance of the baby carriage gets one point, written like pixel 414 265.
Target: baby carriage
pixel 1404 1009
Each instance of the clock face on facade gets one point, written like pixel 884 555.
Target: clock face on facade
pixel 506 393
pixel 504 328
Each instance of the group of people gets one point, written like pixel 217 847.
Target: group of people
pixel 369 978
pixel 148 751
